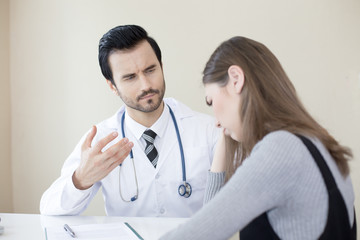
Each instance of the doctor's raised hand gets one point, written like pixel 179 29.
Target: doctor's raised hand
pixel 95 163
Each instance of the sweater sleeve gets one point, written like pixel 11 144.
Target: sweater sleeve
pixel 261 183
pixel 213 185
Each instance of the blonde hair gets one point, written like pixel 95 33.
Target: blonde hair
pixel 268 101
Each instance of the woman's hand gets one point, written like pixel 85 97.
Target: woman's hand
pixel 219 161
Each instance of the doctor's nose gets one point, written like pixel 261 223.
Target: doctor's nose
pixel 217 124
pixel 145 82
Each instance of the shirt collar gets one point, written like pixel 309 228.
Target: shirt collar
pixel 158 127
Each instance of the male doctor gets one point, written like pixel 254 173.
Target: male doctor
pixel 172 146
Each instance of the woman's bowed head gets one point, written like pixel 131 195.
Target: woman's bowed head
pixel 276 173
pixel 251 96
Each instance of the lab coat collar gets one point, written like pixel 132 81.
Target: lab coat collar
pixel 158 127
pixel 180 110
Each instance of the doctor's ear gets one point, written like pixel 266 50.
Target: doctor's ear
pixel 236 78
pixel 112 87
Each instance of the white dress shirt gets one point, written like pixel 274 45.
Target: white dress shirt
pixel 158 187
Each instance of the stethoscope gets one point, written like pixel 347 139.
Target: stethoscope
pixel 184 189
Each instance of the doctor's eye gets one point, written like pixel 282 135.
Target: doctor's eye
pixel 150 70
pixel 129 77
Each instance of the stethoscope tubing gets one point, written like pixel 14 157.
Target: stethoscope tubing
pixel 186 186
pixel 180 145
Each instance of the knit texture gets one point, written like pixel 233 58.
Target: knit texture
pixel 279 177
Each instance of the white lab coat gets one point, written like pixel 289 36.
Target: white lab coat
pixel 158 187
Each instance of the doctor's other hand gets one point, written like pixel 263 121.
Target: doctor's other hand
pixel 96 164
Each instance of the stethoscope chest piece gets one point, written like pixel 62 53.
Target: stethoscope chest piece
pixel 185 190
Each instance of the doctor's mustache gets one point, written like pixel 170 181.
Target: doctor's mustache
pixel 146 93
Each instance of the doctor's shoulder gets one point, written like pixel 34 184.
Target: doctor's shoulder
pixel 199 125
pixel 184 112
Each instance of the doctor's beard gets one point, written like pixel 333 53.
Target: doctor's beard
pixel 150 105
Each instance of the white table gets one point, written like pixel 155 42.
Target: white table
pixel 31 226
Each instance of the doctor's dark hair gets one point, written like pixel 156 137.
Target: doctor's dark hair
pixel 268 101
pixel 124 37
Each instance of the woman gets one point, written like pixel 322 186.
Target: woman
pixel 278 163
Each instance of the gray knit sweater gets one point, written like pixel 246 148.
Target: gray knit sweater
pixel 279 177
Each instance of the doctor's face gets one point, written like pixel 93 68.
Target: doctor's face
pixel 226 105
pixel 138 77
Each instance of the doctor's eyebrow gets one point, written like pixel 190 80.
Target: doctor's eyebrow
pixel 152 66
pixel 130 75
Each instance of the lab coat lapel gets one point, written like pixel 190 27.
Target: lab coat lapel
pixel 166 151
pixel 170 149
pixel 146 165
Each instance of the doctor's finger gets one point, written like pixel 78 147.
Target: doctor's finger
pixel 89 138
pixel 119 148
pixel 120 156
pixel 104 141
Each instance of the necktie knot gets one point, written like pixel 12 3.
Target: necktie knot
pixel 149 136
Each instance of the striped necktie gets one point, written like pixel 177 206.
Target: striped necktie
pixel 150 149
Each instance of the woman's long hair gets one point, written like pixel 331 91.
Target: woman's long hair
pixel 268 101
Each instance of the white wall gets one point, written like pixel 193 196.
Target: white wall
pixel 58 92
pixel 6 200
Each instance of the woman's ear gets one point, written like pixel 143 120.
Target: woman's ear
pixel 236 78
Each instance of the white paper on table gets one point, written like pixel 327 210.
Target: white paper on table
pixel 102 231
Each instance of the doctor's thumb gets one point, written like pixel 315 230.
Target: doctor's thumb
pixel 89 138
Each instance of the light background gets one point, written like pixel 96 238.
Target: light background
pixel 52 90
